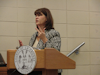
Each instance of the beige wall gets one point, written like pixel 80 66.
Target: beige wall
pixel 77 21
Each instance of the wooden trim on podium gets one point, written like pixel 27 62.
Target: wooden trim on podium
pixel 48 58
pixel 3 70
pixel 50 72
pixel 56 60
pixel 40 59
pixel 10 59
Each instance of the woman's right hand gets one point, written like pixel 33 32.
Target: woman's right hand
pixel 20 43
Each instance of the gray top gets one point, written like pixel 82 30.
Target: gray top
pixel 54 40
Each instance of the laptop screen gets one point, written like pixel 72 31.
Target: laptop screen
pixel 2 62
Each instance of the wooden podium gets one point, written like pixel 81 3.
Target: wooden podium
pixel 49 60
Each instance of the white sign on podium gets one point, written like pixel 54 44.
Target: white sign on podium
pixel 25 59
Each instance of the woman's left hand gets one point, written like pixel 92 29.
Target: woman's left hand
pixel 41 34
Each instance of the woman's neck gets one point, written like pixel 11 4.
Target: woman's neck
pixel 42 26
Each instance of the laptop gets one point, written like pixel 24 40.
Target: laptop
pixel 2 62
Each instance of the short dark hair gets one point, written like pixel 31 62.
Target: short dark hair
pixel 47 13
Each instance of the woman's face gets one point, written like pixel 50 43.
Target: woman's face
pixel 41 19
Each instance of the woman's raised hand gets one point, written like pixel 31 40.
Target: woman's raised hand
pixel 41 34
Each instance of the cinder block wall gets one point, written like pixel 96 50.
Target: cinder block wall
pixel 77 21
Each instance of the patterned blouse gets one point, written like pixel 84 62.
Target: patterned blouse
pixel 54 40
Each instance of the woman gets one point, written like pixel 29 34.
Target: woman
pixel 46 36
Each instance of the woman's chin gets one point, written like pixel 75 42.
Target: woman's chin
pixel 37 24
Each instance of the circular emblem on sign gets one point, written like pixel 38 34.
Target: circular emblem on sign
pixel 25 59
